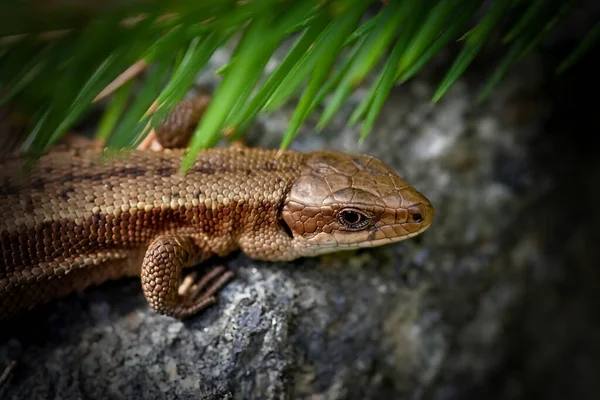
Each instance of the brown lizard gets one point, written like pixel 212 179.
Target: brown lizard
pixel 79 218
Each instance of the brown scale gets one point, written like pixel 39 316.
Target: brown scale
pixel 81 217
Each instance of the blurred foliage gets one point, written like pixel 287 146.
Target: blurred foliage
pixel 56 56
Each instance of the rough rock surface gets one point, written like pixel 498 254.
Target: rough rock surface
pixel 488 303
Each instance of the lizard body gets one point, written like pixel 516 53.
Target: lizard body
pixel 79 217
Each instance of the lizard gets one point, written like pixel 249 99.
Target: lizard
pixel 79 217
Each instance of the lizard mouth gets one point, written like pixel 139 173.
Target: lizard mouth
pixel 397 238
pixel 327 246
pixel 387 239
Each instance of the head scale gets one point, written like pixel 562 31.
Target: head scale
pixel 343 201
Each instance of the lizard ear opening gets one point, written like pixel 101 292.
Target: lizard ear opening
pixel 284 225
pixel 286 228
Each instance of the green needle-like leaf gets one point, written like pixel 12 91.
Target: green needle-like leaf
pixel 474 43
pixel 90 89
pixel 247 115
pixel 113 112
pixel 299 73
pixel 362 108
pixel 547 28
pixel 519 49
pixel 336 34
pixel 81 79
pixel 27 147
pixel 335 76
pixel 412 18
pixel 360 32
pixel 248 63
pixel 535 9
pixel 384 86
pixel 306 64
pixel 24 79
pixel 436 22
pixel 172 39
pixel 55 60
pixel 292 16
pixel 371 50
pixel 463 15
pixel 132 127
pixel 590 39
pixel 244 71
pixel 197 55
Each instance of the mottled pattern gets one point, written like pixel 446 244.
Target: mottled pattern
pixel 80 217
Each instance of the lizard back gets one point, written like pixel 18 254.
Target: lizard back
pixel 87 216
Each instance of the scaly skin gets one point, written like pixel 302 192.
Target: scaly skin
pixel 80 218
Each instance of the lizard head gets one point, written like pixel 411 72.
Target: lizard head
pixel 343 201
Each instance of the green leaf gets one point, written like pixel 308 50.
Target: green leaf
pixel 436 22
pixel 172 39
pixel 360 32
pixel 298 74
pixel 252 54
pixel 375 43
pixel 133 125
pixel 292 16
pixel 328 46
pixel 383 87
pixel 473 45
pixel 547 28
pixel 304 67
pixel 248 114
pixel 24 79
pixel 535 10
pixel 62 56
pixel 590 39
pixel 459 19
pixel 113 112
pixel 84 98
pixel 519 49
pixel 27 147
pixel 195 58
pixel 81 78
pixel 336 76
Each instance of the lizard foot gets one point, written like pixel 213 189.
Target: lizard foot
pixel 163 282
pixel 201 291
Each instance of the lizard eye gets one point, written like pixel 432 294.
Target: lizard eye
pixel 353 219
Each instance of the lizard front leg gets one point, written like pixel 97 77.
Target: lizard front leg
pixel 162 272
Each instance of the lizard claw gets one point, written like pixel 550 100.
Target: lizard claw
pixel 204 289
